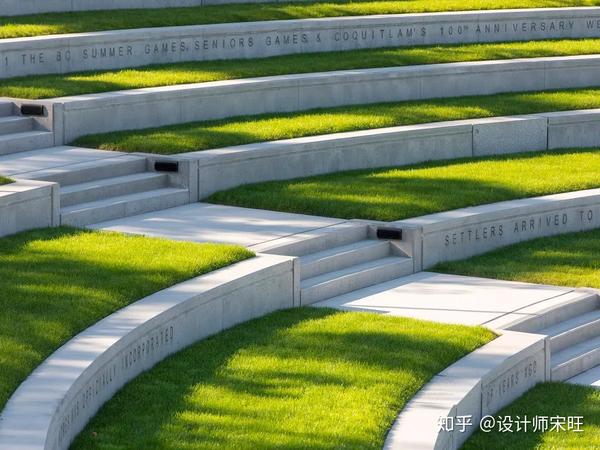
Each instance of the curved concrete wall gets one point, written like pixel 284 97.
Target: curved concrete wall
pixel 142 108
pixel 56 401
pixel 128 48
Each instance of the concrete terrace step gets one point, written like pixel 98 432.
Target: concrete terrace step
pixel 337 258
pixel 576 359
pixel 93 170
pixel 312 242
pixel 349 279
pixel 25 141
pixel 111 187
pixel 573 331
pixel 588 378
pixel 123 206
pixel 6 109
pixel 15 124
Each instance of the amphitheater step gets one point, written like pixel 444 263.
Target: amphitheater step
pixel 590 377
pixel 123 206
pixel 94 170
pixel 576 359
pixel 15 124
pixel 341 257
pixel 6 109
pixel 25 141
pixel 573 331
pixel 111 187
pixel 355 277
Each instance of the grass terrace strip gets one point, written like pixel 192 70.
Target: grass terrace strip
pixel 196 136
pixel 546 400
pixel 78 22
pixel 571 259
pixel 390 194
pixel 308 378
pixel 57 282
pixel 4 180
pixel 48 86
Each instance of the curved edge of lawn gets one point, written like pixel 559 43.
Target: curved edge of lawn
pixel 4 180
pixel 546 400
pixel 299 378
pixel 56 282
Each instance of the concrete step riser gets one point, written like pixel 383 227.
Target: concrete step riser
pixel 576 365
pixel 101 172
pixel 19 125
pixel 341 236
pixel 124 209
pixel 113 190
pixel 380 249
pixel 19 144
pixel 6 109
pixel 353 282
pixel 575 336
pixel 559 314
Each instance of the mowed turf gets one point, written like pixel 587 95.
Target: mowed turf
pixel 57 23
pixel 57 282
pixel 46 86
pixel 250 129
pixel 567 260
pixel 307 378
pixel 4 180
pixel 397 193
pixel 551 400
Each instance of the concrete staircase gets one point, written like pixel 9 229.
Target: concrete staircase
pixel 574 332
pixel 19 133
pixel 342 259
pixel 113 188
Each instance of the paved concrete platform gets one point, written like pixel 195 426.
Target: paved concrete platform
pixel 449 299
pixel 29 164
pixel 203 222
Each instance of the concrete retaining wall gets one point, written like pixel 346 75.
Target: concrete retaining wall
pixel 23 7
pixel 62 394
pixel 462 233
pixel 127 48
pixel 142 108
pixel 226 168
pixel 27 204
pixel 479 384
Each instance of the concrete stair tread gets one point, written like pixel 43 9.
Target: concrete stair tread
pixel 355 246
pixel 6 109
pixel 6 120
pixel 575 351
pixel 570 324
pixel 25 141
pixel 121 199
pixel 590 377
pixel 23 135
pixel 349 271
pixel 69 189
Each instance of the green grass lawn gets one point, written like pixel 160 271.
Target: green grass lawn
pixel 56 23
pixel 4 180
pixel 57 282
pixel 245 130
pixel 307 378
pixel 397 193
pixel 547 399
pixel 567 260
pixel 47 86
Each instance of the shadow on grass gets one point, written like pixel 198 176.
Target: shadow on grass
pixel 301 378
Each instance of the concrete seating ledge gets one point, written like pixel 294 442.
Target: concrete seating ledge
pixel 225 168
pixel 27 204
pixel 76 116
pixel 477 385
pixel 56 401
pixel 136 47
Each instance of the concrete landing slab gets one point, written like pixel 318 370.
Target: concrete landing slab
pixel 203 222
pixel 26 164
pixel 448 298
